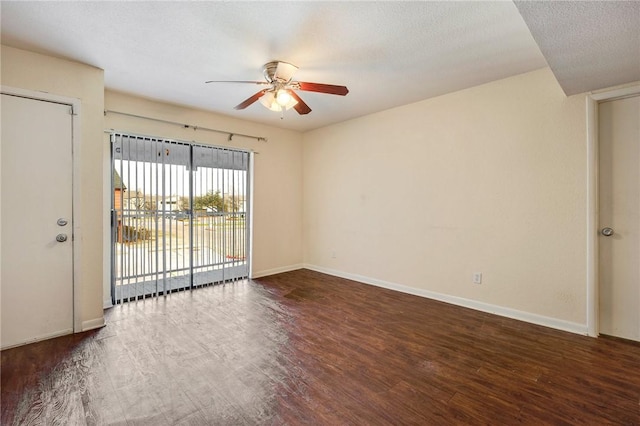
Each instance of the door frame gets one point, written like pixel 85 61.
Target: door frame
pixel 76 239
pixel 593 99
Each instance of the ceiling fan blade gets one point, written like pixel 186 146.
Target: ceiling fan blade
pixel 250 100
pixel 236 81
pixel 323 88
pixel 301 107
pixel 284 72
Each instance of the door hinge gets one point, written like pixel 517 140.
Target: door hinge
pixel 72 110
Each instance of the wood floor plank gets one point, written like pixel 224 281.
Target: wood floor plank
pixel 304 348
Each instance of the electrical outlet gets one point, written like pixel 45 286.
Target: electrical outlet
pixel 333 254
pixel 477 277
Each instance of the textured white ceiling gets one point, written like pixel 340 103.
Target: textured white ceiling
pixel 387 53
pixel 588 45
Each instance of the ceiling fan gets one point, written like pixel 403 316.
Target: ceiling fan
pixel 280 94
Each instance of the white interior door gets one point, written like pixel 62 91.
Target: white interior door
pixel 619 212
pixel 37 269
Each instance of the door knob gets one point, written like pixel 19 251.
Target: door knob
pixel 607 232
pixel 61 238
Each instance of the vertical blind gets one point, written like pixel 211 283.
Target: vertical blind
pixel 180 215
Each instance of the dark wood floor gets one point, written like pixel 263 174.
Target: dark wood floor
pixel 306 348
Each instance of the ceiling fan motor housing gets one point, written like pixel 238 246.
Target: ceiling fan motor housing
pixel 270 71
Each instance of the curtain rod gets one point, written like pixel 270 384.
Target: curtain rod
pixel 188 126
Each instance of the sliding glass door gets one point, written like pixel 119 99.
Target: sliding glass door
pixel 179 216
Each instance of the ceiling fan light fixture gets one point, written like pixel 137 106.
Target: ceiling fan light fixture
pixel 283 97
pixel 268 100
pixel 277 101
pixel 292 102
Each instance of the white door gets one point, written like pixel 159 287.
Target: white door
pixel 37 270
pixel 619 209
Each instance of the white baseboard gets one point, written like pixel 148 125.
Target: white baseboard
pixel 279 270
pixel 93 324
pixel 558 324
pixel 86 326
pixel 38 339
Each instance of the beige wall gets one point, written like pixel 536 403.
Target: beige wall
pixel 491 179
pixel 26 70
pixel 277 192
